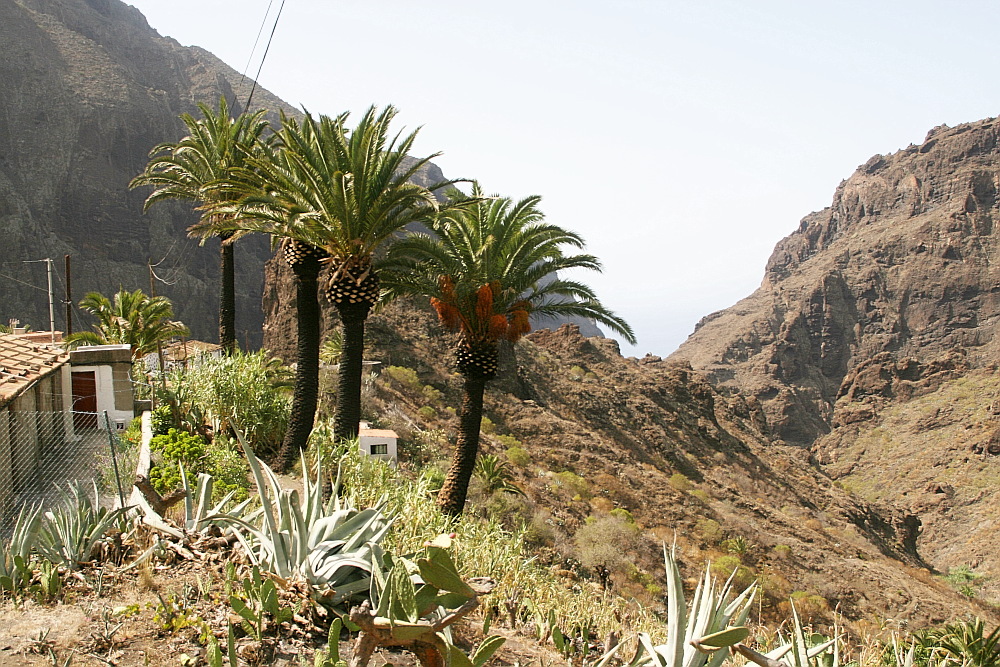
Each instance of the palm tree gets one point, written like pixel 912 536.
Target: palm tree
pixel 335 194
pixel 191 169
pixel 489 267
pixel 134 319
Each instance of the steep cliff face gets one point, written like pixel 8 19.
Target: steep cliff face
pixel 872 340
pixel 897 274
pixel 88 88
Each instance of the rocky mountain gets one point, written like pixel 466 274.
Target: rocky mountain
pixel 872 339
pixel 592 434
pixel 88 88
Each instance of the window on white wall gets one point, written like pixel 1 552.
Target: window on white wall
pixel 380 449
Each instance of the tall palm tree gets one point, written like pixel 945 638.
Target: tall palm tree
pixel 488 268
pixel 337 194
pixel 133 318
pixel 217 144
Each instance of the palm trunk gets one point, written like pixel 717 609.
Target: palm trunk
pixel 227 297
pixel 353 317
pixel 451 498
pixel 307 363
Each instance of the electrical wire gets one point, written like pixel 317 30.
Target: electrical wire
pixel 239 88
pixel 264 57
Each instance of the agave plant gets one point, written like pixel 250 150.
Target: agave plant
pixel 416 599
pixel 14 571
pixel 199 513
pixel 70 534
pixel 964 641
pixel 329 546
pixel 801 650
pixel 695 633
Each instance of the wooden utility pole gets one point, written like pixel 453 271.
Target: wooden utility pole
pixel 69 299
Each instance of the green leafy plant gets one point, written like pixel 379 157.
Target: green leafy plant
pixel 696 632
pixel 965 641
pixel 259 604
pixel 416 600
pixel 71 533
pixel 496 475
pixel 517 454
pixel 407 377
pixel 15 575
pixel 248 390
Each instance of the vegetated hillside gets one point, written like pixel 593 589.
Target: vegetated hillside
pixel 873 339
pixel 590 432
pixel 88 89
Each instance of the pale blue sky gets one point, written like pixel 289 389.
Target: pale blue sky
pixel 681 139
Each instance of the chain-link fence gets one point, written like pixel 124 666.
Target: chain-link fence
pixel 42 453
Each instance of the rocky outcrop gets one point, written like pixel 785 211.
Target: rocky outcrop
pixel 873 342
pixel 901 266
pixel 88 88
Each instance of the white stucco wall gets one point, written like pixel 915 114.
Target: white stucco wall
pixel 367 438
pixel 106 395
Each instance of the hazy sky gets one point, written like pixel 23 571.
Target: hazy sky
pixel 681 139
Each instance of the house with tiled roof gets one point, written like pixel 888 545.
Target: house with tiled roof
pixel 49 399
pixel 35 401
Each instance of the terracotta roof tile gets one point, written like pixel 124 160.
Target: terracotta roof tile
pixel 23 362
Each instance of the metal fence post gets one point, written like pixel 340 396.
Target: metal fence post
pixel 114 458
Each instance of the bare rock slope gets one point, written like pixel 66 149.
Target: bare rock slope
pixel 872 338
pixel 88 88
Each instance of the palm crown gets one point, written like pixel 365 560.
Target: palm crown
pixel 192 168
pixel 133 318
pixel 345 191
pixel 493 263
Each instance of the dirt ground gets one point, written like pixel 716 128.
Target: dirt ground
pixel 118 619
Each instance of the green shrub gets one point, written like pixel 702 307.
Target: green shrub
pixel 218 459
pixel 487 426
pixel 680 482
pixel 572 482
pixel 709 530
pixel 508 441
pixel 180 447
pixel 606 542
pixel 781 551
pixel 407 377
pixel 248 390
pixel 427 413
pixel 623 514
pixel 229 469
pixel 725 566
pixel 431 394
pixel 516 454
pixel 161 420
pixel 700 494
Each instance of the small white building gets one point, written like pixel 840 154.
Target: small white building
pixel 101 382
pixel 378 442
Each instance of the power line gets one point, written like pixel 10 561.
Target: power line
pixel 264 57
pixel 260 31
pixel 42 289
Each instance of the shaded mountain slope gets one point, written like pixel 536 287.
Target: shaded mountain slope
pixel 88 89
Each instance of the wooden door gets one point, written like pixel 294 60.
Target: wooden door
pixel 84 399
